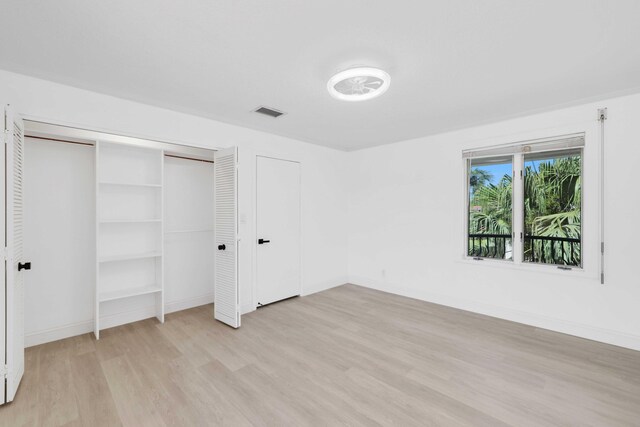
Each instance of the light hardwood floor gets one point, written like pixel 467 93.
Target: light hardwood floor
pixel 347 356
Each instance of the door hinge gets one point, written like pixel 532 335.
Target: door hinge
pixel 4 371
pixel 5 253
pixel 601 247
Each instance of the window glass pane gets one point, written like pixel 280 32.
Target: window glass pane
pixel 552 208
pixel 490 208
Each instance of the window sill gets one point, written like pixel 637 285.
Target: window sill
pixel 533 268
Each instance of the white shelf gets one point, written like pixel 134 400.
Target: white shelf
pixel 193 230
pixel 130 184
pixel 129 218
pixel 131 292
pixel 129 221
pixel 126 257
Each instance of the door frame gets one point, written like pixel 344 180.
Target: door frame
pixel 86 132
pixel 4 260
pixel 254 245
pixel 91 133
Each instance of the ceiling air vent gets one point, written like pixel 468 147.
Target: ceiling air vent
pixel 269 112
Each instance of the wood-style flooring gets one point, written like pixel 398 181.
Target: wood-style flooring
pixel 346 356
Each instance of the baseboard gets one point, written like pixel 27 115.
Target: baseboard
pixel 117 319
pixel 608 336
pixel 247 308
pixel 58 333
pixel 129 316
pixel 323 286
pixel 185 304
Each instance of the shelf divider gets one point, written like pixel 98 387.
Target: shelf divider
pixel 128 221
pixel 130 184
pixel 129 292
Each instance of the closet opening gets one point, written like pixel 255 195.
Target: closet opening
pixel 117 229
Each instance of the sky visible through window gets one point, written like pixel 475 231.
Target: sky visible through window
pixel 499 170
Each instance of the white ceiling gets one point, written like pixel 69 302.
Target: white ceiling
pixel 453 64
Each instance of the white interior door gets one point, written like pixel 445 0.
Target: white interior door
pixel 15 265
pixel 278 229
pixel 226 306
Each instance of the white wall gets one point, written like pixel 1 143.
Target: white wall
pixel 59 239
pixel 324 171
pixel 406 227
pixel 189 242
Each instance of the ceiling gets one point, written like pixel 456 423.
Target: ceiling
pixel 453 64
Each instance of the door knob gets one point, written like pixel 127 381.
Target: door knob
pixel 24 266
pixel 222 247
pixel 263 241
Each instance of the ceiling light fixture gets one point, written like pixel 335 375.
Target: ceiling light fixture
pixel 359 84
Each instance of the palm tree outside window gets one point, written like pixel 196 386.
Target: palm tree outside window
pixel 548 185
pixel 490 208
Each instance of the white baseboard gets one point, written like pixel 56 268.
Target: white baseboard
pixel 608 336
pixel 323 286
pixel 58 333
pixel 247 308
pixel 307 290
pixel 74 329
pixel 185 304
pixel 129 316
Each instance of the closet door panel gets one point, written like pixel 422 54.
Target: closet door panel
pixel 226 307
pixel 15 261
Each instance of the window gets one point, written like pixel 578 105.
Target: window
pixel 553 208
pixel 490 208
pixel 532 191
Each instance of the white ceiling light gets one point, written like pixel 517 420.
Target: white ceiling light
pixel 359 84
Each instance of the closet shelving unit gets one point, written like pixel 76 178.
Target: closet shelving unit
pixel 129 229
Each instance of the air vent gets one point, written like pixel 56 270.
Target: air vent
pixel 268 112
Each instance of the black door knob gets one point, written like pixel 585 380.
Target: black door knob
pixel 24 266
pixel 262 241
pixel 222 247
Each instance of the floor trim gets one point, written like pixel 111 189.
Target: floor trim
pixel 79 328
pixel 323 286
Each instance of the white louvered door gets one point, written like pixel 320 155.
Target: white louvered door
pixel 14 162
pixel 226 305
pixel 3 264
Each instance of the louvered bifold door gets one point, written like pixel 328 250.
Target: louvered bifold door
pixel 14 162
pixel 226 304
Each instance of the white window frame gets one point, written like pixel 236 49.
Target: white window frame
pixel 518 151
pixel 467 167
